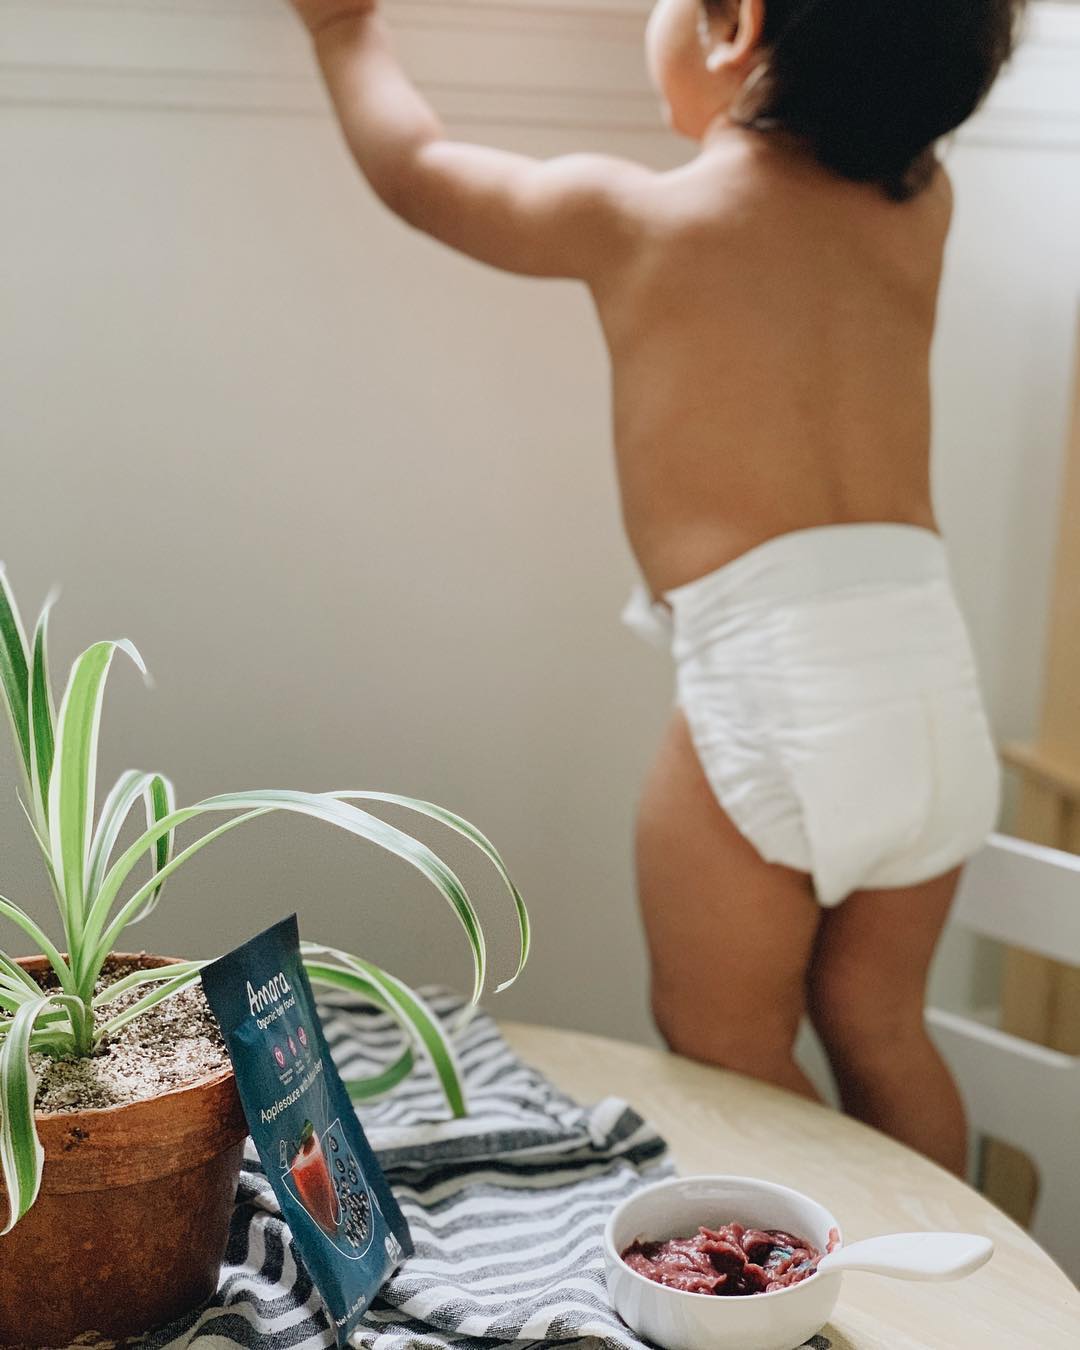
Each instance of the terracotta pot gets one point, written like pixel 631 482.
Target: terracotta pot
pixel 130 1225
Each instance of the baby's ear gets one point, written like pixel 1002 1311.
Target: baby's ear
pixel 744 41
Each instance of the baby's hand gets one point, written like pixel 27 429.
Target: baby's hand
pixel 317 14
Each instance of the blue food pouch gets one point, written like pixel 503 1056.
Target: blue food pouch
pixel 342 1214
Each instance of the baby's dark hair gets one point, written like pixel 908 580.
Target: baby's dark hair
pixel 869 86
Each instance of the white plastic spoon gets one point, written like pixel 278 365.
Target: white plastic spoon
pixel 914 1256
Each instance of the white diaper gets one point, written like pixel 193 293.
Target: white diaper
pixel 829 685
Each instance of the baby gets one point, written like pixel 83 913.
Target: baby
pixel 769 310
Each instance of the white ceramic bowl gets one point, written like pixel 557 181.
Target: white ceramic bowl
pixel 676 1320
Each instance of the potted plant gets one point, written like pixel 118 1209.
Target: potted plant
pixel 115 1214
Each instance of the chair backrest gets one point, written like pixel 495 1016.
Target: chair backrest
pixel 1027 896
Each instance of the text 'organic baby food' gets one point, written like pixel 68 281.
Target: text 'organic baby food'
pixel 343 1217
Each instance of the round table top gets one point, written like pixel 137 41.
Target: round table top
pixel 716 1121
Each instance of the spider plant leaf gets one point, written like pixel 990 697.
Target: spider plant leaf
pixel 96 946
pixel 475 837
pixel 72 1009
pixel 151 975
pixel 40 840
pixel 14 671
pixel 13 991
pixel 164 991
pixel 115 809
pixel 73 779
pixel 322 807
pixel 19 917
pixel 379 1084
pixel 160 800
pixel 157 793
pixel 21 1155
pixel 46 853
pixel 42 717
pixel 12 973
pixel 56 1044
pixel 327 965
pixel 366 826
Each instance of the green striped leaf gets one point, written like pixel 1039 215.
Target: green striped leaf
pixel 327 965
pixel 189 973
pixel 79 1018
pixel 41 841
pixel 54 1025
pixel 58 1044
pixel 115 809
pixel 159 799
pixel 321 807
pixel 379 1084
pixel 474 836
pixel 73 780
pixel 96 947
pixel 21 1155
pixel 42 718
pixel 13 974
pixel 151 975
pixel 19 917
pixel 14 671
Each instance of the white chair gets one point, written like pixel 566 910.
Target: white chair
pixel 1026 896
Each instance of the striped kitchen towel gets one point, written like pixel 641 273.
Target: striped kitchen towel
pixel 506 1209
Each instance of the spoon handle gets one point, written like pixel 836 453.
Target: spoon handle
pixel 913 1256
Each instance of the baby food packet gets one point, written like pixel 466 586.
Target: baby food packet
pixel 333 1195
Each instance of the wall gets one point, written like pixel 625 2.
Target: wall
pixel 352 495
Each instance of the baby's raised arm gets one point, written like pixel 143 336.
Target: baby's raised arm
pixel 571 216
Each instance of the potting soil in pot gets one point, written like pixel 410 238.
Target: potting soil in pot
pixel 332 1193
pixel 169 1046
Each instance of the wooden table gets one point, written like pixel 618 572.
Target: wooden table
pixel 717 1121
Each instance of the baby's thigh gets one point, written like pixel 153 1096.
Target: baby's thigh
pixel 730 935
pixel 872 959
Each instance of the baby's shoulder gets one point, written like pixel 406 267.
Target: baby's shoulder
pixel 733 190
pixel 722 185
pixel 749 182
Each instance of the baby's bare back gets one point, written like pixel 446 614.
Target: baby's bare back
pixel 769 337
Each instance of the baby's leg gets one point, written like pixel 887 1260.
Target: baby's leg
pixel 730 935
pixel 867 992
